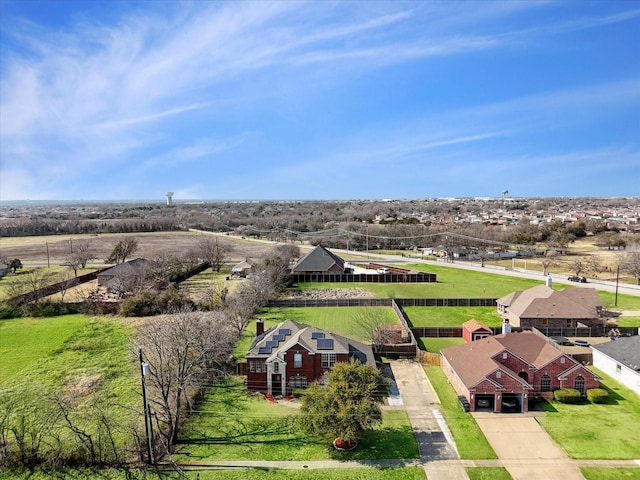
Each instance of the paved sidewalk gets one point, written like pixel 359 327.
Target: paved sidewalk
pixel 437 449
pixel 525 449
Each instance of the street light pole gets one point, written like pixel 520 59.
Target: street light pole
pixel 144 371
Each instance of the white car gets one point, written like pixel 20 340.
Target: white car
pixel 382 270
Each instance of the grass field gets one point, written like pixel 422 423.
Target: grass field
pixel 451 316
pixel 488 473
pixel 24 342
pixel 470 441
pixel 232 425
pixel 356 473
pixel 604 473
pixel 434 345
pixel 597 431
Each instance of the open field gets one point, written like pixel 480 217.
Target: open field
pixel 232 425
pixel 604 473
pixel 434 345
pixel 597 431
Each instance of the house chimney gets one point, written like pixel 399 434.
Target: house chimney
pixel 549 282
pixel 259 327
pixel 506 326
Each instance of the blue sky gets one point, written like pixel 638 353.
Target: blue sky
pixel 318 100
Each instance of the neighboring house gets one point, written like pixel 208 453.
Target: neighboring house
pixel 292 355
pixel 621 360
pixel 503 372
pixel 544 307
pixel 242 269
pixel 113 278
pixel 320 261
pixel 474 330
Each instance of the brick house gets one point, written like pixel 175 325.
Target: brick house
pixel 320 261
pixel 544 307
pixel 292 355
pixel 114 278
pixel 503 372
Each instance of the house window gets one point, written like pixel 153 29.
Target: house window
pixel 562 359
pixel 328 360
pixel 545 383
pixel 544 321
pixel 298 382
pixel 297 360
pixel 524 376
pixel 499 373
pixel 618 368
pixel 257 366
pixel 504 356
pixel 579 384
pixel 569 323
pixel 276 367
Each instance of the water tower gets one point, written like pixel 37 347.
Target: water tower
pixel 169 198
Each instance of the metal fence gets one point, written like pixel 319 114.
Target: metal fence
pixel 364 278
pixel 383 302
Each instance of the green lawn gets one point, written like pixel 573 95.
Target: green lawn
pixel 470 441
pixel 434 345
pixel 604 473
pixel 340 320
pixel 597 431
pixel 451 316
pixel 232 425
pixel 488 473
pixel 362 473
pixel 26 341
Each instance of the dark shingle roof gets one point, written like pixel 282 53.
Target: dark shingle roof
pixel 318 260
pixel 624 350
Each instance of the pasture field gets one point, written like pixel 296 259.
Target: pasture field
pixel 597 431
pixel 232 425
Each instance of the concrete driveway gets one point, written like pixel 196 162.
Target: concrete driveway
pixel 525 449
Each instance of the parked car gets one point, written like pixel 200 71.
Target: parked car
pixel 577 278
pixel 509 404
pixel 464 403
pixel 382 270
pixel 484 403
pixel 581 343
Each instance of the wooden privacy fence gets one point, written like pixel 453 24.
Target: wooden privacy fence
pixel 364 278
pixel 383 302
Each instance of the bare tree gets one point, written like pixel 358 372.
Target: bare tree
pixel 550 259
pixel 373 324
pixel 82 254
pixel 123 249
pixel 631 264
pixel 212 252
pixel 183 349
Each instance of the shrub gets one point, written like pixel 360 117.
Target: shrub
pixel 567 395
pixel 597 395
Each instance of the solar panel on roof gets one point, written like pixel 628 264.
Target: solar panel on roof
pixel 284 331
pixel 271 343
pixel 325 344
pixel 316 335
pixel 264 350
pixel 278 338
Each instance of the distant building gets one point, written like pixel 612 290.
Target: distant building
pixel 320 261
pixel 242 269
pixel 544 307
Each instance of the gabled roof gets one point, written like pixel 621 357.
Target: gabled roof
pixel 243 265
pixel 318 260
pixel 545 302
pixel 474 325
pixel 276 341
pixel 125 267
pixel 625 351
pixel 474 361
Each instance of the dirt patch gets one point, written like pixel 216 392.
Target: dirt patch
pixel 331 293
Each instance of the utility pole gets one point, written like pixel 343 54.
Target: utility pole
pixel 144 371
pixel 48 260
pixel 615 303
